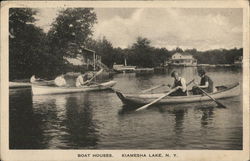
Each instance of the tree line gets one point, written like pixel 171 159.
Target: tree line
pixel 32 51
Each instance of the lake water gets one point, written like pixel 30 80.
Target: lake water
pixel 97 120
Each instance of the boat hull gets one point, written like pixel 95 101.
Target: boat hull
pixel 132 99
pixel 44 90
pixel 19 85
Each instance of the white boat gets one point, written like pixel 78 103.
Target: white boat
pixel 43 90
pixel 19 84
pixel 119 68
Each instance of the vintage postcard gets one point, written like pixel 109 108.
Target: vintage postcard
pixel 125 80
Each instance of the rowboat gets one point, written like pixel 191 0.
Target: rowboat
pixel 43 90
pixel 225 91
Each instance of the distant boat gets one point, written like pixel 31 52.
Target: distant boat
pixel 120 68
pixel 238 61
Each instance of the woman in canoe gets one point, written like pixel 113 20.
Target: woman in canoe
pixel 206 84
pixel 180 83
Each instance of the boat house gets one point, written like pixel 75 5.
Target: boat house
pixel 182 59
pixel 86 58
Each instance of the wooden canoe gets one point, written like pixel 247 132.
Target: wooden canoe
pixel 19 84
pixel 28 84
pixel 43 90
pixel 141 99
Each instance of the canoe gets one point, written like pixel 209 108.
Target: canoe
pixel 225 91
pixel 44 82
pixel 19 84
pixel 43 90
pixel 13 85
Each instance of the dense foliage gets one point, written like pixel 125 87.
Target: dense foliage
pixel 70 30
pixel 31 51
pixel 26 44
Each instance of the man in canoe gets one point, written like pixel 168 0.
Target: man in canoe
pixel 206 83
pixel 82 80
pixel 179 83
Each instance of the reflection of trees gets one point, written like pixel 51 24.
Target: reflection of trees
pixel 179 119
pixel 207 115
pixel 79 122
pixel 25 125
pixel 179 115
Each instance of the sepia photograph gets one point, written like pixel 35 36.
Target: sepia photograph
pixel 127 78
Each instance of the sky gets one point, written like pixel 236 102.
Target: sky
pixel 203 29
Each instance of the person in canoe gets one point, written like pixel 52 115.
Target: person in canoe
pixel 180 83
pixel 32 79
pixel 82 80
pixel 206 84
pixel 60 81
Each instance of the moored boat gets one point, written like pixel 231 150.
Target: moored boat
pixel 225 91
pixel 42 90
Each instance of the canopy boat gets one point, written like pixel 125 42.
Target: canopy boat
pixel 225 91
pixel 42 90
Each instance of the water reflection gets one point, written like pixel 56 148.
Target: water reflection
pixel 99 120
pixel 207 115
pixel 79 122
pixel 25 126
pixel 67 120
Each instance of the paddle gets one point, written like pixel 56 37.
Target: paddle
pixel 99 72
pixel 100 85
pixel 217 102
pixel 158 99
pixel 150 89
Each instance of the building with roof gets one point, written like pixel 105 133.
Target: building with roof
pixel 182 59
pixel 87 58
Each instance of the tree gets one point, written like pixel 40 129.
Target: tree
pixel 141 53
pixel 178 49
pixel 70 30
pixel 26 43
pixel 160 56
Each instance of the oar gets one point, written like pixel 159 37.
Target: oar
pixel 217 102
pixel 99 72
pixel 150 89
pixel 158 99
pixel 158 86
pixel 112 89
